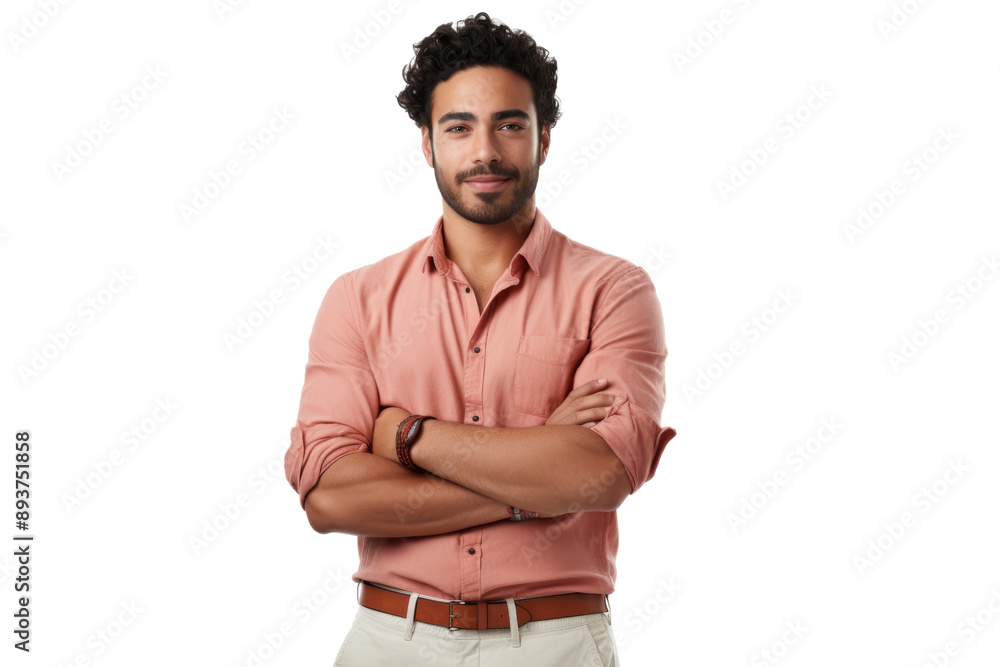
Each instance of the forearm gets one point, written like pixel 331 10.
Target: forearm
pixel 363 494
pixel 550 469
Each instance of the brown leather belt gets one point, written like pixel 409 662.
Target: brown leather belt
pixel 485 615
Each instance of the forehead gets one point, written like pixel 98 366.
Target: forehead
pixel 483 89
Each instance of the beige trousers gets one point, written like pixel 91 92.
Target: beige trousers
pixel 377 639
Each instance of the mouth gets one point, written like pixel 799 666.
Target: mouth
pixel 487 184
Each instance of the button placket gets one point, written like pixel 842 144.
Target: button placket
pixel 475 368
pixel 470 564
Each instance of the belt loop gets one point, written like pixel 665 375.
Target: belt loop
pixel 515 631
pixel 411 609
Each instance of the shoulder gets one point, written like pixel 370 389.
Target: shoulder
pixel 373 278
pixel 598 269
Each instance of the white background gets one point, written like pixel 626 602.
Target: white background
pixel 695 586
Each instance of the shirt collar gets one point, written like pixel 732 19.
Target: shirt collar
pixel 531 251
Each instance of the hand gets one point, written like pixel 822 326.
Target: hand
pixel 582 406
pixel 384 438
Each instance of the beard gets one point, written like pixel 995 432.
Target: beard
pixel 489 208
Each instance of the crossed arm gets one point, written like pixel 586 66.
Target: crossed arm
pixel 473 473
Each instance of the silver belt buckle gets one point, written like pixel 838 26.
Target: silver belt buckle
pixel 452 614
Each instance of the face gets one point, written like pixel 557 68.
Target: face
pixel 486 148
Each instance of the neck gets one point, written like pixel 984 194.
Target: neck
pixel 483 251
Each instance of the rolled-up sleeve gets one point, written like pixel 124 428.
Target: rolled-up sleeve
pixel 339 402
pixel 628 348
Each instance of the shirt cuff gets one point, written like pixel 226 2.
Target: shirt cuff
pixel 636 439
pixel 304 467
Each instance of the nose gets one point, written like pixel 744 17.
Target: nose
pixel 485 147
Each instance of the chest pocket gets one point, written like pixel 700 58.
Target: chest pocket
pixel 543 371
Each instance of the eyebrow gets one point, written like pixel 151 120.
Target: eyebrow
pixel 497 115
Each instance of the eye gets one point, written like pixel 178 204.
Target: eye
pixel 513 125
pixel 455 127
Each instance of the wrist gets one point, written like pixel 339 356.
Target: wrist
pixel 418 448
pixel 407 433
pixel 516 514
pixel 386 425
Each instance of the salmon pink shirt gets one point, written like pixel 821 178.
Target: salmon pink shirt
pixel 406 331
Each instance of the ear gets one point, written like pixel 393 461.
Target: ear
pixel 425 145
pixel 543 148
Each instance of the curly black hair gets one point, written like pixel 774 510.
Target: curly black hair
pixel 477 41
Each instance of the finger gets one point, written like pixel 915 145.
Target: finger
pixel 597 414
pixel 588 388
pixel 582 417
pixel 594 406
pixel 595 400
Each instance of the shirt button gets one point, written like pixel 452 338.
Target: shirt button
pixel 467 290
pixel 475 418
pixel 476 350
pixel 472 551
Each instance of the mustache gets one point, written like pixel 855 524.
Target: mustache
pixel 492 171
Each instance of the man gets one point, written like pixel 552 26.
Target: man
pixel 477 406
